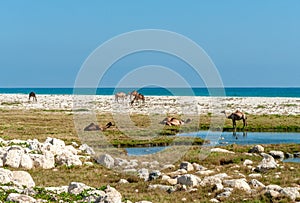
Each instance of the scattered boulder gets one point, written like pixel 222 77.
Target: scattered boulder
pixel 240 184
pixel 154 175
pixel 297 155
pixel 106 160
pixel 272 193
pixel 257 149
pixel 247 162
pixel 87 149
pixel 224 195
pixel 189 180
pixel 255 175
pixel 111 196
pixel 290 192
pixel 26 162
pixel 161 187
pixel 13 156
pixel 273 187
pixel 15 197
pixel 143 174
pixel 123 181
pixel 220 150
pixel 277 154
pixel 187 166
pixel 205 172
pixel 69 159
pixel 76 188
pixel 256 184
pixel 288 155
pixel 6 176
pixel 22 178
pixel 267 163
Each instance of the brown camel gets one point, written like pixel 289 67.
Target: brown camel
pixel 236 116
pixel 132 94
pixel 137 97
pixel 32 94
pixel 94 127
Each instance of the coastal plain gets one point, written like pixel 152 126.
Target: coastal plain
pixel 55 116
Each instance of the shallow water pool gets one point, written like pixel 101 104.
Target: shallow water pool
pixel 226 138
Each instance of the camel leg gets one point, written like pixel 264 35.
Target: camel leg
pixel 244 123
pixel 233 124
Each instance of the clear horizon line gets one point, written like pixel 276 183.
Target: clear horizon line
pixel 149 87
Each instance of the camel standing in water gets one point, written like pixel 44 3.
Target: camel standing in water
pixel 120 95
pixel 236 116
pixel 32 94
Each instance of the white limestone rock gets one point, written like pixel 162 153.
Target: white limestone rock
pixel 267 163
pixel 257 149
pixel 6 176
pixel 106 160
pixel 240 184
pixel 23 178
pixel 189 180
pixel 15 197
pixel 220 150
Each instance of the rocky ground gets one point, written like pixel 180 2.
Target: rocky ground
pixel 155 104
pixel 18 186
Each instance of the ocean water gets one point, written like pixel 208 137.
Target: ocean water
pixel 156 91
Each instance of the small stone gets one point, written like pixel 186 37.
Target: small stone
pixel 221 150
pixel 189 180
pixel 172 181
pixel 123 181
pixel 247 162
pixel 257 149
pixel 106 160
pixel 256 184
pixel 187 166
pixel 255 175
pixel 277 154
pixel 15 197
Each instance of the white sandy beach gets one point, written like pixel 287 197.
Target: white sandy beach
pixel 155 104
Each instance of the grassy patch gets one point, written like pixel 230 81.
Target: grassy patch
pixel 10 103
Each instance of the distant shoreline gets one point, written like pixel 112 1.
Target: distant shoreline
pixel 156 91
pixel 156 104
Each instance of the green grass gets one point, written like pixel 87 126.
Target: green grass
pixel 10 103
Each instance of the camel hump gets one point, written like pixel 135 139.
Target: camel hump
pixel 92 127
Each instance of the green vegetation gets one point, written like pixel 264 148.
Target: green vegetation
pixel 10 103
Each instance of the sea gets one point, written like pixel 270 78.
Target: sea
pixel 158 91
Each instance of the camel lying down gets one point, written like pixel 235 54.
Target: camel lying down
pixel 94 127
pixel 171 121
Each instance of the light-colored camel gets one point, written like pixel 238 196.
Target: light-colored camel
pixel 120 95
pixel 171 121
pixel 236 116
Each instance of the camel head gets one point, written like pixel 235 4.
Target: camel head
pixel 227 115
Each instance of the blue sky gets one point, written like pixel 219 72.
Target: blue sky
pixel 252 43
